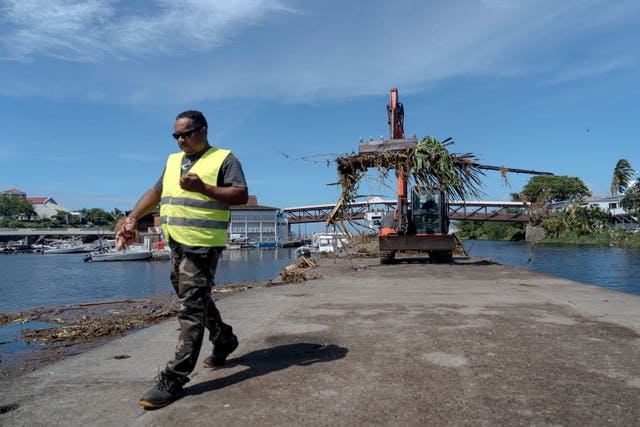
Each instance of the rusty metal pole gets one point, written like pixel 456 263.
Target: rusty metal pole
pixel 396 131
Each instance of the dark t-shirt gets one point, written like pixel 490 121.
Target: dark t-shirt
pixel 230 175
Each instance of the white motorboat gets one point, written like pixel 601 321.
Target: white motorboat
pixel 132 253
pixel 69 247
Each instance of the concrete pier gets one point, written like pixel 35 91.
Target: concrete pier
pixel 470 343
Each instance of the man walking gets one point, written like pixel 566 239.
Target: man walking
pixel 196 189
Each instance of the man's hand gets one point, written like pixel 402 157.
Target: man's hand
pixel 192 182
pixel 126 233
pixel 230 195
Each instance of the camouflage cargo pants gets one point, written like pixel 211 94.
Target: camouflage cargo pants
pixel 192 277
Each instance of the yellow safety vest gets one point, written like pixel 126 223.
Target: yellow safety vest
pixel 192 218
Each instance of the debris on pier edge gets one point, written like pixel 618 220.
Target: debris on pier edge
pixel 298 271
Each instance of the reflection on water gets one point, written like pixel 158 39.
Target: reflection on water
pixel 252 265
pixel 608 267
pixel 34 280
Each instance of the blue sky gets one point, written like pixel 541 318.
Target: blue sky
pixel 90 89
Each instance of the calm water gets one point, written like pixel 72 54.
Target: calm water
pixel 612 268
pixel 34 280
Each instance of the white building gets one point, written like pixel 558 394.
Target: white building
pixel 264 226
pixel 45 207
pixel 611 204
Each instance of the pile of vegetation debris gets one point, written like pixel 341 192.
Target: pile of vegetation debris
pixel 298 271
pixel 96 320
pixel 80 327
pixel 429 164
pixel 89 321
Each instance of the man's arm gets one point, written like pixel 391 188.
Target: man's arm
pixel 147 203
pixel 230 195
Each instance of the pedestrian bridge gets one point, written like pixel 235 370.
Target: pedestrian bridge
pixel 458 210
pixel 470 210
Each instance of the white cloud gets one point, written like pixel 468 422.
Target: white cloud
pixel 58 28
pixel 92 30
pixel 592 67
pixel 331 49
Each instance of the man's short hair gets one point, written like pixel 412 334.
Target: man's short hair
pixel 196 117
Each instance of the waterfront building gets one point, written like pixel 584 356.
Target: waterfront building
pixel 44 207
pixel 256 224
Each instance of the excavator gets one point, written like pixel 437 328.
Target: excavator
pixel 420 225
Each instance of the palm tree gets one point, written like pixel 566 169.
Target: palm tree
pixel 622 175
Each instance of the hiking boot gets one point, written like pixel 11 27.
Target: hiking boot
pixel 166 390
pixel 220 353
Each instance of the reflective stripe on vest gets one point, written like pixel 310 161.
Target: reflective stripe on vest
pixel 183 201
pixel 189 217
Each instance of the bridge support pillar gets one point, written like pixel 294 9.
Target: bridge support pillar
pixel 534 233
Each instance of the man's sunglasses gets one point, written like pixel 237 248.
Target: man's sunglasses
pixel 186 134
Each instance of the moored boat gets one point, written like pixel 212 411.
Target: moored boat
pixel 72 247
pixel 15 247
pixel 132 253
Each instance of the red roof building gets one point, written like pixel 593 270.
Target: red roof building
pixel 45 207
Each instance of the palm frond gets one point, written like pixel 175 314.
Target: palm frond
pixel 429 164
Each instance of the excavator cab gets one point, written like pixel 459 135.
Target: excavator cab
pixel 427 228
pixel 429 212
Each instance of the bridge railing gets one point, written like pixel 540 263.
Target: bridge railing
pixel 458 210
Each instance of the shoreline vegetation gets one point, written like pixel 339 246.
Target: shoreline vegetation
pixel 468 230
pixel 618 239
